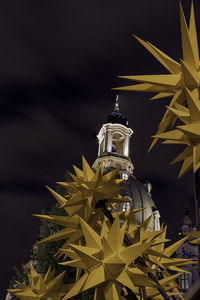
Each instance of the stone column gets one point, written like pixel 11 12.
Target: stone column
pixel 109 140
pixel 126 145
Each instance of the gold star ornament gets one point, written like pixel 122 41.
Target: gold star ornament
pixel 109 265
pixel 47 288
pixel 89 187
pixel 82 196
pixel 185 74
pixel 106 263
pixel 188 134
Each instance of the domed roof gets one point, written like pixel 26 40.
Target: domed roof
pixel 140 196
pixel 116 116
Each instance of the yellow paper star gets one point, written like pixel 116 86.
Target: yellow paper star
pixel 156 254
pixel 48 288
pixel 188 134
pixel 183 74
pixel 109 265
pixel 83 194
pixel 89 187
pixel 106 261
pixel 158 259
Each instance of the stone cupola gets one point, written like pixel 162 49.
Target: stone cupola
pixel 113 152
pixel 114 140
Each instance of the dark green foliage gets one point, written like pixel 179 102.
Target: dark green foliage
pixel 45 254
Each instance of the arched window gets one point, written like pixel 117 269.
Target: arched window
pixel 118 142
pixel 126 206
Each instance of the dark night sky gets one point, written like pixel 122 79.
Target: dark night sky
pixel 58 63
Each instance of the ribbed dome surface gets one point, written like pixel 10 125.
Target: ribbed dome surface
pixel 140 198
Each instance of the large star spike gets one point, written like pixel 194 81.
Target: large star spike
pixel 193 36
pixel 171 65
pixel 188 134
pixel 187 49
pixel 182 84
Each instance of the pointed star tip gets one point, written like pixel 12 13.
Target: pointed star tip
pixel 37 243
pixel 135 36
pixel 179 176
pixel 47 187
pixel 119 89
pixel 83 157
pixel 153 137
pixel 35 215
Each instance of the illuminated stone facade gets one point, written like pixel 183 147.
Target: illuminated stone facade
pixel 114 151
pixel 187 250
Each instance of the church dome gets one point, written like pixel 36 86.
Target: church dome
pixel 113 152
pixel 140 196
pixel 117 117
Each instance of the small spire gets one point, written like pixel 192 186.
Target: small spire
pixel 116 108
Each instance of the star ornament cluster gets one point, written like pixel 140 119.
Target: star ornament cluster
pixel 89 187
pixel 182 85
pixel 110 257
pixel 82 195
pixel 109 265
pixel 47 288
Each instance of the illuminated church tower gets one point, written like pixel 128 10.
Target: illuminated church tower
pixel 114 151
